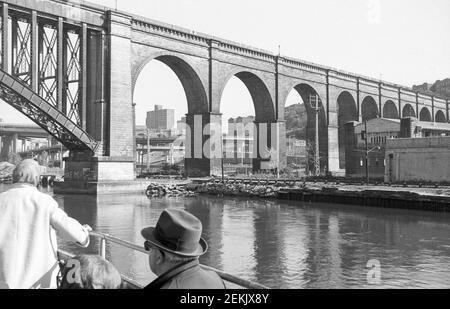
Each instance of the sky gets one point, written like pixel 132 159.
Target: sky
pixel 401 41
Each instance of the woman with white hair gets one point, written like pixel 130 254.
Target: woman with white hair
pixel 28 221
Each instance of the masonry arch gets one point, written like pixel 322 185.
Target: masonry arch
pixel 260 129
pixel 347 111
pixel 261 97
pixel 308 126
pixel 390 110
pixel 187 88
pixel 194 89
pixel 440 117
pixel 425 115
pixel 369 109
pixel 408 111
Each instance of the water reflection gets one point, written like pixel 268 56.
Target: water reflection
pixel 284 244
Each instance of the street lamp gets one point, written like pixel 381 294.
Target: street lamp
pixel 314 104
pixel 367 161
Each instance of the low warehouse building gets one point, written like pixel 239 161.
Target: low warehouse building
pixel 418 159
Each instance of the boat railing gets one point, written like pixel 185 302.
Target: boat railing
pixel 234 281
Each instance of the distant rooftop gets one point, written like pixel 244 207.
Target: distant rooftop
pixel 18 125
pixel 240 118
pixel 375 120
pixel 433 125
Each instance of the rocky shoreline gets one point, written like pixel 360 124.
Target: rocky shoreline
pixel 159 190
pixel 366 196
pixel 238 190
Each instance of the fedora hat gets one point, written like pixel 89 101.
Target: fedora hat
pixel 177 232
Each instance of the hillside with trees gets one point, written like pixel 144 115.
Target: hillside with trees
pixel 296 121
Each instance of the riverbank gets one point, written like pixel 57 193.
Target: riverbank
pixel 238 190
pixel 380 197
pixel 414 198
pixel 159 190
pixel 111 187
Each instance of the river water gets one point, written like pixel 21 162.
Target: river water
pixel 283 244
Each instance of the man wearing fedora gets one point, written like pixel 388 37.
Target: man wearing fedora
pixel 174 247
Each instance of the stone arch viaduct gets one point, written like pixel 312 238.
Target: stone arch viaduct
pixel 72 66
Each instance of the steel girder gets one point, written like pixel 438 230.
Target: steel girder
pixel 48 117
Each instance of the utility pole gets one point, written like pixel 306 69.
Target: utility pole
pixel 367 152
pixel 221 163
pixel 243 152
pixel 316 108
pixel 61 165
pixel 148 150
pixel 364 136
pixel 142 161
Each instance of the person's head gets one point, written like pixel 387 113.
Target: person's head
pixel 27 172
pixel 89 272
pixel 176 239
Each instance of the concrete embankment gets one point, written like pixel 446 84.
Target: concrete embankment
pixel 427 199
pixel 370 198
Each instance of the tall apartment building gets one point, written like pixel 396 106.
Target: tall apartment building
pixel 241 126
pixel 181 126
pixel 161 119
pixel 238 143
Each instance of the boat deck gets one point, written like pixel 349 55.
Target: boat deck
pixel 231 282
